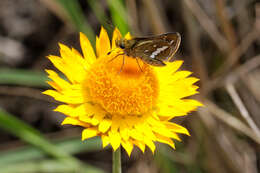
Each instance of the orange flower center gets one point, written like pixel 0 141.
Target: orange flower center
pixel 122 86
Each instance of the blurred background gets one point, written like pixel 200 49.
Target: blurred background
pixel 220 44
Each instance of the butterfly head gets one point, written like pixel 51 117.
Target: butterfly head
pixel 124 43
pixel 120 43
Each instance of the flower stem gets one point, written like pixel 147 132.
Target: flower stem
pixel 117 161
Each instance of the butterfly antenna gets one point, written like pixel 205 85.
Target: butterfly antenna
pixel 139 64
pixel 108 53
pixel 115 57
pixel 123 63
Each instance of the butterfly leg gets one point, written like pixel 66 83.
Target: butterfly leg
pixel 123 63
pixel 138 64
pixel 115 57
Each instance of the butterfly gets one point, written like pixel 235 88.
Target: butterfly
pixel 153 50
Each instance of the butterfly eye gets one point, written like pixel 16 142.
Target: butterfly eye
pixel 122 45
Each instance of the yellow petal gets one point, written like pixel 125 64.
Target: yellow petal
pixel 89 133
pixel 116 36
pixel 94 121
pixel 93 114
pixel 167 111
pixel 187 105
pixel 80 59
pixel 103 43
pixel 87 49
pixel 54 85
pixel 116 123
pixel 176 128
pixel 67 97
pixel 69 120
pixel 124 131
pixel 115 140
pixel 73 63
pixel 105 140
pixel 60 65
pixel 61 83
pixel 147 132
pixel 150 144
pixel 169 69
pixel 128 36
pixel 104 125
pixel 92 110
pixel 98 116
pixel 165 140
pixel 177 107
pixel 128 146
pixel 177 91
pixel 74 121
pixel 160 128
pixel 180 75
pixel 67 69
pixel 72 110
pixel 140 145
pixel 166 132
pixel 86 119
pixel 136 135
pixel 66 109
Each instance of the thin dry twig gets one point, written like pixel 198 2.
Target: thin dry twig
pixel 243 17
pixel 233 75
pixel 244 69
pixel 226 25
pixel 252 82
pixel 158 19
pixel 234 56
pixel 242 47
pixel 224 142
pixel 241 107
pixel 194 43
pixel 233 157
pixel 257 14
pixel 55 8
pixel 230 120
pixel 207 24
pixel 132 15
pixel 24 92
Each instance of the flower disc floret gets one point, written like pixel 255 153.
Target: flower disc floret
pixel 130 91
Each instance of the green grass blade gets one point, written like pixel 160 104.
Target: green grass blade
pixel 164 163
pixel 70 145
pixel 119 15
pixel 99 12
pixel 32 136
pixel 46 166
pixel 75 13
pixel 28 134
pixel 23 77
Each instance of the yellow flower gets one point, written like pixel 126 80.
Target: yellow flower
pixel 129 105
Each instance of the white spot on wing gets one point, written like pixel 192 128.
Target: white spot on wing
pixel 171 41
pixel 146 51
pixel 155 45
pixel 158 50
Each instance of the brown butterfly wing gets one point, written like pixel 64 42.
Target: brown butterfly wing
pixel 160 47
